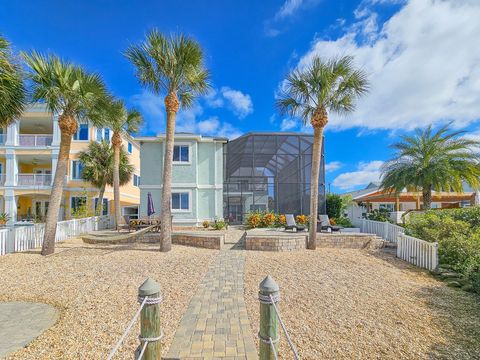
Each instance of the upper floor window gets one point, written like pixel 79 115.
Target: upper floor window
pixel 129 147
pixel 180 201
pixel 82 132
pixel 77 202
pixel 106 132
pixel 136 180
pixel 103 134
pixel 77 168
pixel 181 153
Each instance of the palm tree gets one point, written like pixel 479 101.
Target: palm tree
pixel 98 168
pixel 12 90
pixel 432 160
pixel 174 66
pixel 122 122
pixel 310 94
pixel 72 93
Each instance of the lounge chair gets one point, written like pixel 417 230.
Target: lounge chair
pixel 324 224
pixel 291 224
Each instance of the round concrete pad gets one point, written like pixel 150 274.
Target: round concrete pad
pixel 21 322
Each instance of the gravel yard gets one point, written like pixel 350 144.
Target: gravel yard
pixel 351 304
pixel 95 289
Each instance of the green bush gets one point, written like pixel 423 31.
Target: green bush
pixel 457 232
pixel 343 221
pixel 379 215
pixel 335 206
pixel 218 224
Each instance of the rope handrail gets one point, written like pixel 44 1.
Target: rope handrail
pixel 284 328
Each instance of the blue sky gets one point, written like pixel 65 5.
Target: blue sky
pixel 420 56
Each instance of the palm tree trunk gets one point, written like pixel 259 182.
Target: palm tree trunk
pixel 68 126
pixel 427 197
pixel 101 193
pixel 171 105
pixel 116 142
pixel 316 158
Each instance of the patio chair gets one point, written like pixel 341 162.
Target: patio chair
pixel 291 224
pixel 324 224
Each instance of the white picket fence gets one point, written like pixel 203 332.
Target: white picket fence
pixel 22 238
pixel 416 251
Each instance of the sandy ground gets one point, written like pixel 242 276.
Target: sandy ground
pixel 350 304
pixel 95 288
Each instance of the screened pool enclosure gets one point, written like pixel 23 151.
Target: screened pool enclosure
pixel 269 171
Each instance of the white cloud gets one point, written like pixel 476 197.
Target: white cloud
pixel 288 9
pixel 333 166
pixel 422 63
pixel 213 99
pixel 240 103
pixel 288 124
pixel 366 172
pixel 152 108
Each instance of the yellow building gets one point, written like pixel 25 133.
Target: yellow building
pixel 28 158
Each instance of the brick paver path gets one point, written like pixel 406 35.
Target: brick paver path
pixel 216 324
pixel 21 322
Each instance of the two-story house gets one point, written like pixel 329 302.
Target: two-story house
pixel 197 177
pixel 28 158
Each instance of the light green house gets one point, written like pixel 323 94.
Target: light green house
pixel 197 179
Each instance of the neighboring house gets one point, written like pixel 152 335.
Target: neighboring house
pixel 28 158
pixel 197 177
pixel 373 198
pixel 215 178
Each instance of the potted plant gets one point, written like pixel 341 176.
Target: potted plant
pixel 4 217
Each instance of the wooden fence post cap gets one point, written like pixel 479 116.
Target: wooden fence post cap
pixel 268 286
pixel 149 287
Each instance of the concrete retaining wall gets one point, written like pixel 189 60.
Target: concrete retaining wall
pixel 275 243
pixel 348 241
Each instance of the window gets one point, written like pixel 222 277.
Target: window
pixel 181 153
pixel 103 134
pixel 388 207
pixel 180 201
pixel 106 132
pixel 136 180
pixel 77 202
pixel 104 207
pixel 129 147
pixel 77 168
pixel 99 134
pixel 82 132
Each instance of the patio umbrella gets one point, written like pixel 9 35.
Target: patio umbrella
pixel 150 208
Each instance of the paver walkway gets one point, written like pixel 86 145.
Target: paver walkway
pixel 216 324
pixel 21 322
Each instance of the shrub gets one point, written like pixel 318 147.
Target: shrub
pixel 281 221
pixel 379 215
pixel 334 206
pixel 268 219
pixel 219 224
pixel 206 224
pixel 254 219
pixel 343 221
pixel 302 219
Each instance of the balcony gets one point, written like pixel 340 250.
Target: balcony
pixel 35 140
pixel 34 179
pixel 2 179
pixel 3 139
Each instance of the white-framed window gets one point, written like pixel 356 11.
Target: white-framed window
pixel 136 180
pixel 388 207
pixel 76 170
pixel 129 147
pixel 181 154
pixel 181 201
pixel 76 202
pixel 104 207
pixel 103 134
pixel 82 133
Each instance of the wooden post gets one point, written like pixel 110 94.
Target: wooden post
pixel 150 320
pixel 397 203
pixel 268 318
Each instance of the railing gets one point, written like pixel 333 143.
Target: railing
pixel 385 230
pixel 4 241
pixel 35 140
pixel 421 253
pixel 34 179
pixel 31 237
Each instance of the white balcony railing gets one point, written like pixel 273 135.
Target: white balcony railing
pixel 34 179
pixel 35 140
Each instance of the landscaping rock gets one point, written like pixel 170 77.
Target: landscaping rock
pixel 454 284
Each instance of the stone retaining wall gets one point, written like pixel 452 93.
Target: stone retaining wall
pixel 276 243
pixel 207 241
pixel 349 241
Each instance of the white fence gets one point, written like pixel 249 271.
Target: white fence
pixel 22 238
pixel 418 252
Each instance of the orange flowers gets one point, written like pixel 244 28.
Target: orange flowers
pixel 302 219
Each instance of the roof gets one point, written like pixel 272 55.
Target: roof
pixel 408 196
pixel 182 136
pixel 371 188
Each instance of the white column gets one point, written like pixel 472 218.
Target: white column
pixel 11 206
pixel 12 133
pixel 54 162
pixel 56 132
pixel 11 168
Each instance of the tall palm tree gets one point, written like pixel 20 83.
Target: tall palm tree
pixel 12 90
pixel 310 94
pixel 432 160
pixel 122 122
pixel 72 93
pixel 98 168
pixel 174 66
